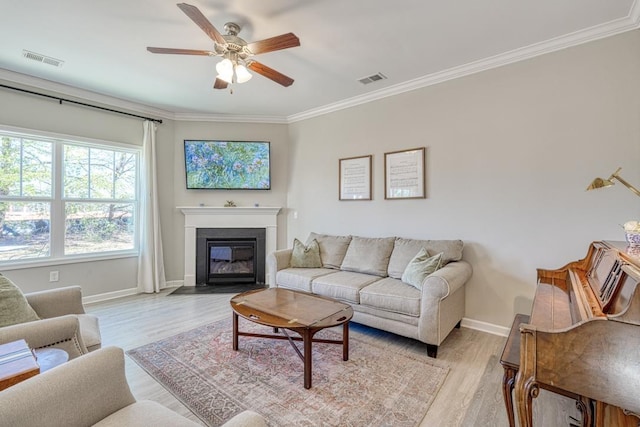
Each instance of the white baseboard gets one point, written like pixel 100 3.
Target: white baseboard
pixel 485 327
pixel 110 295
pixel 174 284
pixel 125 293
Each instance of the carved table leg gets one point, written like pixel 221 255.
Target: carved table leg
pixel 526 387
pixel 507 392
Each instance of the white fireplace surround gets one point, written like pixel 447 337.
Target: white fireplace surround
pixel 218 217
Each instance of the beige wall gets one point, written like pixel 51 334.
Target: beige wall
pixel 510 152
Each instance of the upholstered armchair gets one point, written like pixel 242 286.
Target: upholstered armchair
pixel 63 323
pixel 92 391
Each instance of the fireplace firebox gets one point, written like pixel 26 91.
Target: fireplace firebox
pixel 230 256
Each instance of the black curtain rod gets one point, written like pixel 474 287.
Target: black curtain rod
pixel 71 101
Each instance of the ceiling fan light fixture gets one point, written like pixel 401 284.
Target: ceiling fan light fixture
pixel 242 74
pixel 225 70
pixel 224 67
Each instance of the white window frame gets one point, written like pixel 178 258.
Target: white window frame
pixel 57 200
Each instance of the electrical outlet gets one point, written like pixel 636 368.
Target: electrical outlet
pixel 53 276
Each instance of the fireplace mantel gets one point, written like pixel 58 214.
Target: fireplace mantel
pixel 221 217
pixel 220 211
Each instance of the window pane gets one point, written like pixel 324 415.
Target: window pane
pixel 25 167
pixel 98 227
pixel 37 157
pixel 93 173
pixel 24 230
pixel 10 166
pixel 76 171
pixel 101 179
pixel 125 175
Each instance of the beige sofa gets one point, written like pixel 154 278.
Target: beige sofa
pixel 367 272
pixel 92 390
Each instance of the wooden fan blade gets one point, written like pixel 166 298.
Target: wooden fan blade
pixel 270 73
pixel 220 84
pixel 283 41
pixel 180 51
pixel 202 22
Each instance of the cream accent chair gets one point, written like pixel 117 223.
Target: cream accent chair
pixel 92 390
pixel 64 323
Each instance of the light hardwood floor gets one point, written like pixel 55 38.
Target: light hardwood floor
pixel 470 396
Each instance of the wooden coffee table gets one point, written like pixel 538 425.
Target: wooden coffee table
pixel 301 312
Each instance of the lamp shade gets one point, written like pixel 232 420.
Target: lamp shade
pixel 242 74
pixel 599 183
pixel 225 70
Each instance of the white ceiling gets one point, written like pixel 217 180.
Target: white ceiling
pixel 413 42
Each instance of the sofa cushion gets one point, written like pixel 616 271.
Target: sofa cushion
pixel 14 307
pixel 305 256
pixel 420 267
pixel 332 248
pixel 368 255
pixel 392 295
pixel 300 278
pixel 343 285
pixel 405 249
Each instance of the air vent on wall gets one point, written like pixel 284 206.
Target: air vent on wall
pixel 371 79
pixel 42 58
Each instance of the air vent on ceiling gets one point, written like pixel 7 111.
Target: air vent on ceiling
pixel 371 79
pixel 42 58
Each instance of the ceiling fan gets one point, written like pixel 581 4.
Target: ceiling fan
pixel 236 52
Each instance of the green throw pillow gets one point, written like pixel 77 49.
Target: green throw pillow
pixel 306 256
pixel 420 267
pixel 14 307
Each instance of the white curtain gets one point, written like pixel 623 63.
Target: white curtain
pixel 150 263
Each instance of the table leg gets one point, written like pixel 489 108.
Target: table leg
pixel 307 339
pixel 235 331
pixel 507 392
pixel 345 341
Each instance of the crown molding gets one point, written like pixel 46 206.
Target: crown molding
pixel 631 22
pixel 634 12
pixel 189 117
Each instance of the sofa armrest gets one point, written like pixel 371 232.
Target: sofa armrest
pixel 56 302
pixel 61 332
pixel 80 392
pixel 276 261
pixel 446 280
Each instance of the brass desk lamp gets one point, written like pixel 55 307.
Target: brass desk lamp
pixel 601 183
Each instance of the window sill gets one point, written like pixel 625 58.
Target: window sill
pixel 31 263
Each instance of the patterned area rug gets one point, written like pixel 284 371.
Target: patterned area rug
pixel 380 384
